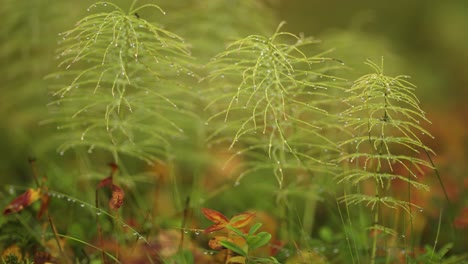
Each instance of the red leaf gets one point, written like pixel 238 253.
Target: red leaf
pixel 105 182
pixel 241 220
pixel 116 200
pixel 22 201
pixel 108 181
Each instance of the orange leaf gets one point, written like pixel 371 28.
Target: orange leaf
pixel 214 227
pixel 241 220
pixel 214 216
pixel 22 201
pixel 217 218
pixel 116 200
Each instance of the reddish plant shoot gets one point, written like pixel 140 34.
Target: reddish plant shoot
pixel 117 197
pixel 221 221
pixel 105 182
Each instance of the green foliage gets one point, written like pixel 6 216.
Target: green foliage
pixel 129 89
pixel 121 84
pixel 441 256
pixel 384 117
pixel 10 259
pixel 253 240
pixel 184 257
pixel 271 86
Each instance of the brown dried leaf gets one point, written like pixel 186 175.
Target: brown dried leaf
pixel 22 201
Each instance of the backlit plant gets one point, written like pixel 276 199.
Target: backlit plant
pixel 272 100
pixel 384 118
pixel 120 74
pixel 232 114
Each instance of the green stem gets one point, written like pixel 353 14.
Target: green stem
pixel 439 178
pixel 133 5
pixel 376 220
pixel 346 232
pixel 283 199
pixel 377 191
pixel 309 215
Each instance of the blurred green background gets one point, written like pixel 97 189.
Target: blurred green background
pixel 427 40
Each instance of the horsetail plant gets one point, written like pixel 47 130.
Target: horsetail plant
pixel 272 99
pixel 384 121
pixel 122 74
pixel 268 98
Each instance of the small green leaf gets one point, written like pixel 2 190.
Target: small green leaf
pixel 254 228
pixel 235 248
pixel 237 231
pixel 258 240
